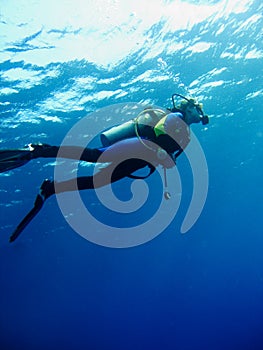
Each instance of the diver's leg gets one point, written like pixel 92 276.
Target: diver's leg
pixel 48 188
pixel 105 176
pixel 14 158
pixel 69 152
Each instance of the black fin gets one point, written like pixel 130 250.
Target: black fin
pixel 39 201
pixel 13 158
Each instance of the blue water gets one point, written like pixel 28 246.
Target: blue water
pixel 201 290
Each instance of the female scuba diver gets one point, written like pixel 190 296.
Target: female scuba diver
pixel 155 136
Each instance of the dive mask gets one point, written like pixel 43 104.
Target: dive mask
pixel 199 107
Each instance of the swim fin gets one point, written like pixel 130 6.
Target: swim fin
pixel 39 201
pixel 13 158
pixel 46 190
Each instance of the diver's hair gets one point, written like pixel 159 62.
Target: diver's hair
pixel 184 104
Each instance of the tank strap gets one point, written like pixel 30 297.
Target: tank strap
pixel 135 177
pixel 177 154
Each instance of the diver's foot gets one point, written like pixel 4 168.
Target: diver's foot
pixel 46 190
pixel 38 149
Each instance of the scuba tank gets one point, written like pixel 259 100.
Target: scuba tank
pixel 138 127
pixel 118 133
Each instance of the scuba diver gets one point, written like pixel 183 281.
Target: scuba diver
pixel 160 136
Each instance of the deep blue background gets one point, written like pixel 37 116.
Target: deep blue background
pixel 199 290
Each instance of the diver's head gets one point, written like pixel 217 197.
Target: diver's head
pixel 192 111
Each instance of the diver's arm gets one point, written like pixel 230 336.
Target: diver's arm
pixel 173 121
pixel 178 130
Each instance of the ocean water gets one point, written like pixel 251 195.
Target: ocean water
pixel 62 61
